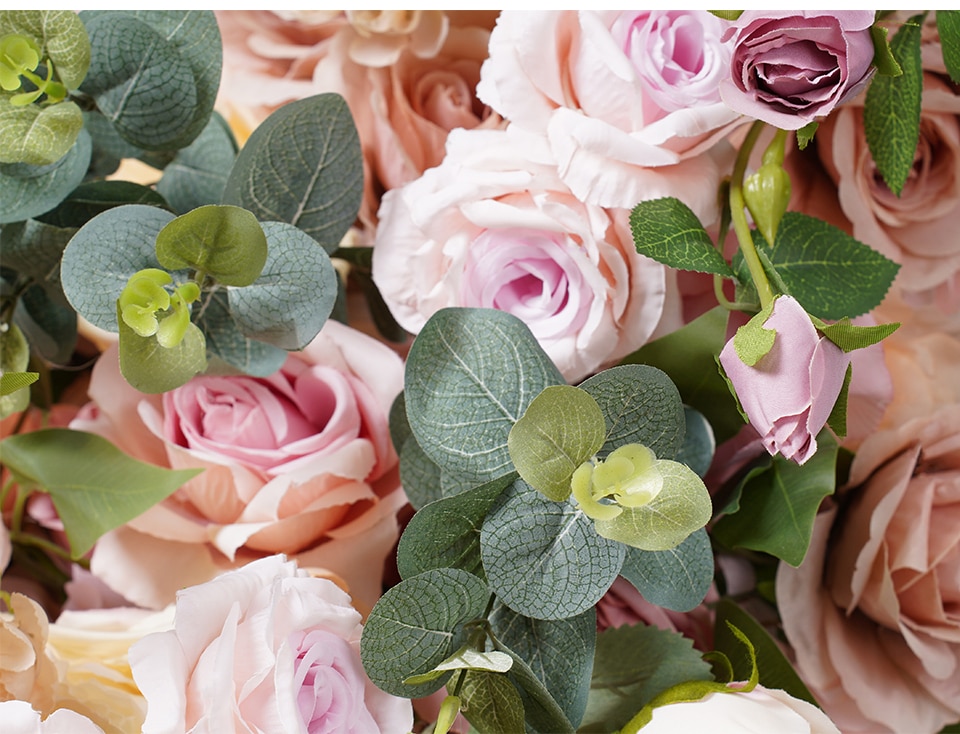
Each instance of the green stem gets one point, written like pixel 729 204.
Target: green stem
pixel 739 217
pixel 47 546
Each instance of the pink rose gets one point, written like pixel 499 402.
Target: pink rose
pixel 493 227
pixel 789 393
pixel 760 711
pixel 19 718
pixel 299 462
pixel 871 612
pixel 627 99
pixel 790 67
pixel 263 648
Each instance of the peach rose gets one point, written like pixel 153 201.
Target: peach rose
pixel 871 612
pixel 493 227
pixel 27 672
pixel 299 462
pixel 263 648
pixel 628 100
pixel 19 718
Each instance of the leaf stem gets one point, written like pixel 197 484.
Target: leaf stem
pixel 738 215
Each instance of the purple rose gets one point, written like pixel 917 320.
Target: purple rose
pixel 792 67
pixel 789 393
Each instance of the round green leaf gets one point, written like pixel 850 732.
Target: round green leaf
pixel 294 295
pixel 544 559
pixel 224 242
pixel 14 357
pixel 37 135
pixel 59 34
pixel 560 429
pixel 678 578
pixel 152 368
pixel 416 625
pixel 103 254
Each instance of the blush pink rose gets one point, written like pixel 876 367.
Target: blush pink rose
pixel 300 462
pixel 790 68
pixel 493 227
pixel 265 648
pixel 789 393
pixel 871 612
pixel 627 99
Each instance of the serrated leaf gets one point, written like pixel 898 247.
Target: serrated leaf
pixel 302 165
pixel 559 652
pixel 491 703
pixel 560 429
pixel 544 559
pixel 152 368
pixel 633 664
pixel 681 507
pixel 830 273
pixel 94 486
pixel 27 191
pixel 446 533
pixel 849 337
pixel 668 231
pixel 883 58
pixel 891 112
pixel 470 375
pixel 678 578
pixel 948 26
pixel 224 242
pixel 37 135
pixel 417 624
pixel 226 341
pixel 640 404
pixel 293 297
pixel 198 173
pixel 94 197
pixel 777 505
pixel 805 134
pixel 103 254
pixel 699 443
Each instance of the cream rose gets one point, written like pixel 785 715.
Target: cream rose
pixel 19 718
pixel 871 611
pixel 493 227
pixel 628 100
pixel 300 462
pixel 27 672
pixel 263 648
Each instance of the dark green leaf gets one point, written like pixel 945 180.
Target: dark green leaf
pixel 678 578
pixel 491 702
pixel 667 231
pixel 95 197
pixel 883 57
pixel 948 25
pixel 49 325
pixel 94 486
pixel 542 713
pixel 34 250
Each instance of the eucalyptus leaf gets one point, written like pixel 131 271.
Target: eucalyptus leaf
pixel 470 375
pixel 678 578
pixel 419 475
pixel 14 358
pixel 544 559
pixel 37 135
pixel 152 368
pixel 227 342
pixel 542 713
pixel 560 429
pixel 198 173
pixel 302 165
pixel 416 625
pixel 699 444
pixel 94 197
pixel 48 324
pixel 292 298
pixel 59 34
pixel 103 254
pixel 668 231
pixel 94 486
pixel 27 191
pixel 467 658
pixel 491 702
pixel 34 250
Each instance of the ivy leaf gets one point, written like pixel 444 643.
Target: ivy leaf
pixel 948 25
pixel 678 578
pixel 667 231
pixel 624 681
pixel 544 559
pixel 416 625
pixel 198 173
pixel 470 375
pixel 94 486
pixel 302 165
pixel 446 533
pixel 560 429
pixel 491 702
pixel 775 508
pixel 891 112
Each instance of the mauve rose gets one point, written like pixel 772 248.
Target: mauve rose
pixel 789 393
pixel 871 612
pixel 760 711
pixel 493 227
pixel 299 462
pixel 627 99
pixel 793 67
pixel 265 647
pixel 19 718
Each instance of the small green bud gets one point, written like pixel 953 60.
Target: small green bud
pixel 17 55
pixel 767 192
pixel 447 714
pixel 148 308
pixel 628 476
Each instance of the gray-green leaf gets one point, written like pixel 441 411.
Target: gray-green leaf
pixel 198 173
pixel 678 578
pixel 491 703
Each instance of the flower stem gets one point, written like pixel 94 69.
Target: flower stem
pixel 739 217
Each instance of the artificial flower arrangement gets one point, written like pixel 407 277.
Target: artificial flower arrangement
pixel 677 437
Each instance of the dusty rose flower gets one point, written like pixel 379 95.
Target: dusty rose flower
pixel 493 227
pixel 263 648
pixel 760 711
pixel 871 611
pixel 19 718
pixel 299 462
pixel 790 68
pixel 789 393
pixel 627 99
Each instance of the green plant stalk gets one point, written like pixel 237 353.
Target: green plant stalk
pixel 737 214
